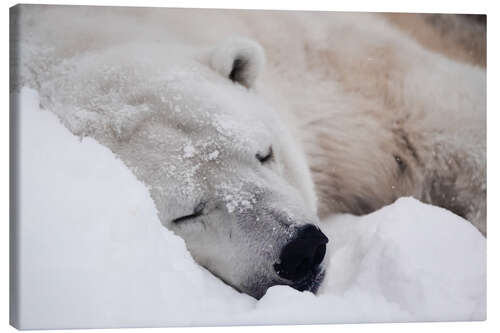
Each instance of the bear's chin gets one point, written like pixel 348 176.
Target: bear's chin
pixel 310 283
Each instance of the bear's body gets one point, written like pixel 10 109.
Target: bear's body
pixel 345 101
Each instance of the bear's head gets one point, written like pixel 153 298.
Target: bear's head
pixel 223 169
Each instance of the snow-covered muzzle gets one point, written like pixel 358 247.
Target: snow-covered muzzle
pixel 255 243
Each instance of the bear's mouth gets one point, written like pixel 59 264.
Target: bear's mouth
pixel 310 282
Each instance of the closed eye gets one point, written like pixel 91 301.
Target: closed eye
pixel 265 158
pixel 198 211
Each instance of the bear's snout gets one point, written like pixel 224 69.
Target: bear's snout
pixel 302 256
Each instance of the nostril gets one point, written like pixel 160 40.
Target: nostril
pixel 313 232
pixel 301 256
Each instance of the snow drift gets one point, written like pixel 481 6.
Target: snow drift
pixel 92 253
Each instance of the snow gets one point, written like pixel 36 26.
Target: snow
pixel 93 253
pixel 213 155
pixel 189 151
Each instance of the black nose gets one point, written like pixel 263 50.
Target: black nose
pixel 303 254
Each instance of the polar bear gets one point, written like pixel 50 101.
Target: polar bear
pixel 244 141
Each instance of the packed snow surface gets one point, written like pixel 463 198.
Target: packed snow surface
pixel 94 254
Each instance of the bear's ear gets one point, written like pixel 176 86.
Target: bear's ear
pixel 240 60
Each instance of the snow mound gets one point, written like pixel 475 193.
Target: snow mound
pixel 425 259
pixel 92 253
